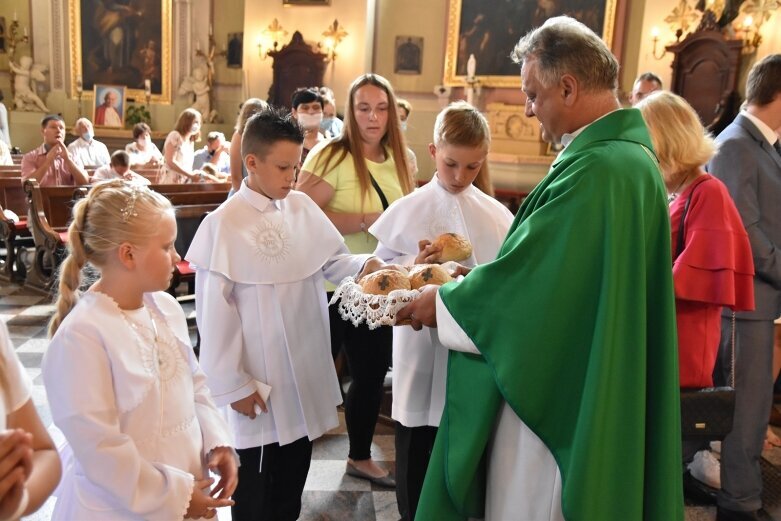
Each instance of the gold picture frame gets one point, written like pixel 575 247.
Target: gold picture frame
pixel 482 14
pixel 144 51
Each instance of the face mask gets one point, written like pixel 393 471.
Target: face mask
pixel 310 120
pixel 142 142
pixel 87 136
pixel 326 123
pixel 403 126
pixel 195 128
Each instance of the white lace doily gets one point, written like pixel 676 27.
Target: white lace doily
pixel 377 310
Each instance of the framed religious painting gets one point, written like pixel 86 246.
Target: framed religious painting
pixel 121 42
pixel 408 55
pixel 489 29
pixel 108 106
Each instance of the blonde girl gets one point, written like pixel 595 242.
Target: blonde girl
pixel 455 200
pixel 122 381
pixel 29 465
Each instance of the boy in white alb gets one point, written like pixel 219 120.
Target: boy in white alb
pixel 450 203
pixel 261 260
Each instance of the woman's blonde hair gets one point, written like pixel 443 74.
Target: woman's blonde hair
pixel 681 142
pixel 250 107
pixel 114 212
pixel 460 124
pixel 185 122
pixel 350 140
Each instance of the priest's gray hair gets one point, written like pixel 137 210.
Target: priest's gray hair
pixel 562 45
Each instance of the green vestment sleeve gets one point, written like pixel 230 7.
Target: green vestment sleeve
pixel 575 321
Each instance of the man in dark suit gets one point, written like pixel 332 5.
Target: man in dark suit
pixel 749 163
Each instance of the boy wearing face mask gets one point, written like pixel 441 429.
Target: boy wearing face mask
pixel 142 151
pixel 308 111
pixel 87 151
pixel 331 126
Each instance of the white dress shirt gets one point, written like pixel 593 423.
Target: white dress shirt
pixel 90 154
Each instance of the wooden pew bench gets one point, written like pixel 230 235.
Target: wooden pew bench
pixel 48 216
pixel 14 234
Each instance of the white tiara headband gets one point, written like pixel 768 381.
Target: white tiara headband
pixel 130 204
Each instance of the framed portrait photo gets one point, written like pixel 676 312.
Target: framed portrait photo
pixel 121 43
pixel 108 108
pixel 489 29
pixel 408 55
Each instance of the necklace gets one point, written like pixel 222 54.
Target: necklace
pixel 674 194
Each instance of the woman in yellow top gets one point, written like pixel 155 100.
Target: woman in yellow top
pixel 353 178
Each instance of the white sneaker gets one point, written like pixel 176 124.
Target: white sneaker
pixel 706 468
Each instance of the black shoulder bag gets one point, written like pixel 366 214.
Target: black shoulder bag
pixel 376 185
pixel 707 413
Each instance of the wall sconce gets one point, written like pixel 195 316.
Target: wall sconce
pixel 749 33
pixel 268 41
pixel 655 39
pixel 332 37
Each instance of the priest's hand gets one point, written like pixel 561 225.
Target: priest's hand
pixel 427 253
pixel 423 310
pixel 222 461
pixel 246 406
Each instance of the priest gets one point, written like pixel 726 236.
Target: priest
pixel 562 388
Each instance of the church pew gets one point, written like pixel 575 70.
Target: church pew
pixel 15 235
pixel 191 187
pixel 48 216
pixel 188 218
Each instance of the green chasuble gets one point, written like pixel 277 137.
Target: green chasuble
pixel 575 321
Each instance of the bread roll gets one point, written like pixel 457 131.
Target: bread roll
pixel 382 282
pixel 422 274
pixel 454 247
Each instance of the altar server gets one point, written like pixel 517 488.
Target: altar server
pixel 455 200
pixel 261 260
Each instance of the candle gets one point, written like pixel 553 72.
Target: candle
pixel 210 29
pixel 16 18
pixel 25 32
pixel 148 87
pixel 197 45
pixel 655 32
pixel 471 66
pixel 79 84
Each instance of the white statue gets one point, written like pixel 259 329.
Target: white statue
pixel 198 85
pixel 26 77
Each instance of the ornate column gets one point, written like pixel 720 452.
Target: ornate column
pixel 182 43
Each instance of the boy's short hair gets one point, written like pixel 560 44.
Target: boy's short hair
pixel 306 96
pixel 213 135
pixel 120 158
pixel 51 117
pixel 268 127
pixel 404 104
